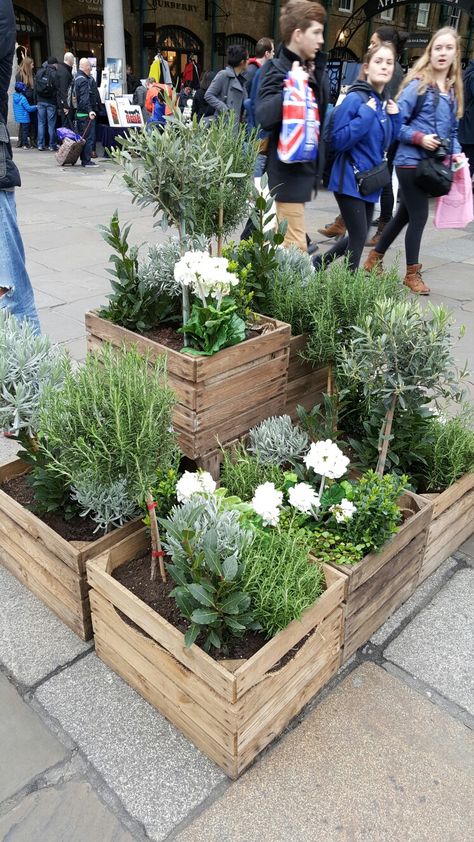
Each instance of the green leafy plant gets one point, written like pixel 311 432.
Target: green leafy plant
pixel 135 303
pixel 109 506
pixel 242 472
pixel 402 356
pixel 278 441
pixel 28 364
pixel 110 420
pixel 330 548
pixel 377 514
pixel 449 452
pixel 279 578
pixel 205 541
pixel 211 328
pixel 322 420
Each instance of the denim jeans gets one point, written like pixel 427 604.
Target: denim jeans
pixel 19 298
pixel 82 124
pixel 47 115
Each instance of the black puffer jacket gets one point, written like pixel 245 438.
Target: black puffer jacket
pixel 289 182
pixel 9 175
pixel 466 124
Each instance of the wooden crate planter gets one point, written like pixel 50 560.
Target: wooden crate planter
pixel 51 567
pixel 381 582
pixel 306 384
pixel 220 397
pixel 452 523
pixel 230 709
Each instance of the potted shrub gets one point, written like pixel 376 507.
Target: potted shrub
pixel 369 528
pixel 95 442
pixel 228 668
pixel 198 179
pixel 319 306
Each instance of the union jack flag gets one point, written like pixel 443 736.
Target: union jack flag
pixel 299 134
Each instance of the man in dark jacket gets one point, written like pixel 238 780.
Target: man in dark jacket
pixel 301 25
pixel 88 103
pixel 64 83
pixel 47 99
pixel 16 293
pixel 466 123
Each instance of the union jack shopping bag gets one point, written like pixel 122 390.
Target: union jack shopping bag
pixel 299 134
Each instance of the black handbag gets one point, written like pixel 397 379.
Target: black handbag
pixel 434 177
pixel 370 181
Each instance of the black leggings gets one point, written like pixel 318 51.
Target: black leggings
pixel 412 211
pixel 357 216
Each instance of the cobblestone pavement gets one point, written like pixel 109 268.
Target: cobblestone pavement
pixel 385 752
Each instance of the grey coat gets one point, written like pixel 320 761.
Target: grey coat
pixel 227 92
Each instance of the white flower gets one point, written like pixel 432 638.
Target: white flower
pixel 304 498
pixel 326 459
pixel 194 483
pixel 343 511
pixel 266 502
pixel 205 275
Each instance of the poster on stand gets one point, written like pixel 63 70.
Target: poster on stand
pixel 116 84
pixel 113 115
pixel 130 115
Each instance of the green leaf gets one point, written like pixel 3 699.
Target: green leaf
pixel 200 594
pixel 230 568
pixel 236 602
pixel 191 635
pixel 204 617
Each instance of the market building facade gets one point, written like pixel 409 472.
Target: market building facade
pixel 206 27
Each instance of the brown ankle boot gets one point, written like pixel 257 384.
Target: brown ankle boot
pixel 374 261
pixel 414 281
pixel 334 229
pixel 372 241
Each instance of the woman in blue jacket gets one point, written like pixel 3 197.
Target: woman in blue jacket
pixel 431 101
pixel 364 127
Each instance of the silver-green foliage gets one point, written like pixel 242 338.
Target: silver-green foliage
pixel 109 506
pixel 157 270
pixel 28 363
pixel 295 262
pixel 278 441
pixel 206 542
pixel 111 417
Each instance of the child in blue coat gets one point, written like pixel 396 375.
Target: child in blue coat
pixel 22 110
pixel 364 127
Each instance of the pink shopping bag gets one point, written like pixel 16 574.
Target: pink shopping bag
pixel 455 210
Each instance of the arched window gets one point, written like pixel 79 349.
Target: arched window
pixel 30 35
pixel 245 40
pixel 175 44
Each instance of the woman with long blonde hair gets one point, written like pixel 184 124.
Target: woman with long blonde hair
pixel 25 74
pixel 431 102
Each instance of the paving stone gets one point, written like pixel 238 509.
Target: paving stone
pixel 455 249
pixel 413 604
pixel 27 747
pixel 438 645
pixel 8 449
pixel 68 813
pixel 158 775
pixel 33 641
pixel 59 326
pixel 374 762
pixel 468 547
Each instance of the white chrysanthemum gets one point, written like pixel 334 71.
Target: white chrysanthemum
pixel 326 459
pixel 304 498
pixel 194 483
pixel 205 275
pixel 266 502
pixel 343 511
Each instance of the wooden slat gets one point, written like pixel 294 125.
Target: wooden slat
pixel 229 358
pixel 105 542
pixel 405 563
pixel 241 402
pixel 276 648
pixel 159 677
pixel 275 726
pixel 161 631
pixel 363 634
pixel 15 468
pixel 452 538
pixel 239 387
pixel 76 614
pixel 30 552
pixel 464 505
pixel 276 688
pixel 173 714
pixel 451 495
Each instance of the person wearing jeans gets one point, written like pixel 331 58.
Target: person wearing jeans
pixel 16 293
pixel 47 99
pixel 46 118
pixel 87 105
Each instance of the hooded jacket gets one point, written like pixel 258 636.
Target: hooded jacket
pixel 21 107
pixel 9 175
pixel 360 138
pixel 437 115
pixel 289 182
pixel 466 123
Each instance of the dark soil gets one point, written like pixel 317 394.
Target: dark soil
pixel 135 576
pixel 76 529
pixel 169 336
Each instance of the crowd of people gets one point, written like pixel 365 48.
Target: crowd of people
pixel 386 120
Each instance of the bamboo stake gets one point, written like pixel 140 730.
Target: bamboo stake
pixel 156 548
pixel 220 225
pixel 185 291
pixel 385 436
